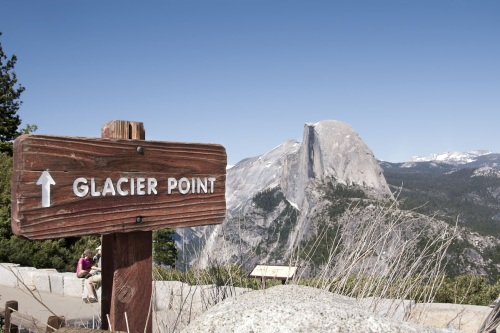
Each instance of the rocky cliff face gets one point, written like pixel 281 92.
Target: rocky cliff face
pixel 272 199
pixel 332 150
pixel 298 194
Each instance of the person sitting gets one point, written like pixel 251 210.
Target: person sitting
pixel 84 265
pixel 94 282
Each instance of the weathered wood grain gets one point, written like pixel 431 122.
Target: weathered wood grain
pixel 127 262
pixel 68 158
pixel 127 281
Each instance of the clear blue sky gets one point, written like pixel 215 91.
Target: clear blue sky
pixel 411 77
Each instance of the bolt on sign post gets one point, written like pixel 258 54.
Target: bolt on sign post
pixel 122 187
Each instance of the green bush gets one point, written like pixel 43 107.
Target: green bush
pixel 467 289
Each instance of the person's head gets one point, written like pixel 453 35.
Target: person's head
pixel 87 253
pixel 98 249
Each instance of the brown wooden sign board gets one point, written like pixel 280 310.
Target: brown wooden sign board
pixel 70 186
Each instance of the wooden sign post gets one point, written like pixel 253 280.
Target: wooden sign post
pixel 126 294
pixel 121 187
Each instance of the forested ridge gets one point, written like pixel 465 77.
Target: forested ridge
pixel 451 196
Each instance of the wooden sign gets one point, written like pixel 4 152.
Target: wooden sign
pixel 70 186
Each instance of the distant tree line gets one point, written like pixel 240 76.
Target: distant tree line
pixel 451 196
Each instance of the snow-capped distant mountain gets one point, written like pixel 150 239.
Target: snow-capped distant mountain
pixel 452 157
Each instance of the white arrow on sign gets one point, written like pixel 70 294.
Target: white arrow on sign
pixel 45 180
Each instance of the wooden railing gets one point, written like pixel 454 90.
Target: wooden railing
pixel 12 321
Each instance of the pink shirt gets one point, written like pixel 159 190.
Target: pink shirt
pixel 86 264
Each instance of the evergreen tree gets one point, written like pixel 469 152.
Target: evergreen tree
pixel 5 176
pixel 164 249
pixel 10 92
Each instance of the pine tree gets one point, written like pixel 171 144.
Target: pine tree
pixel 10 92
pixel 164 249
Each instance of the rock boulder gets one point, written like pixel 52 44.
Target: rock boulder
pixel 293 308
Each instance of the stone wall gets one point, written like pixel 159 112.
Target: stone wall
pixel 167 295
pixel 42 280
